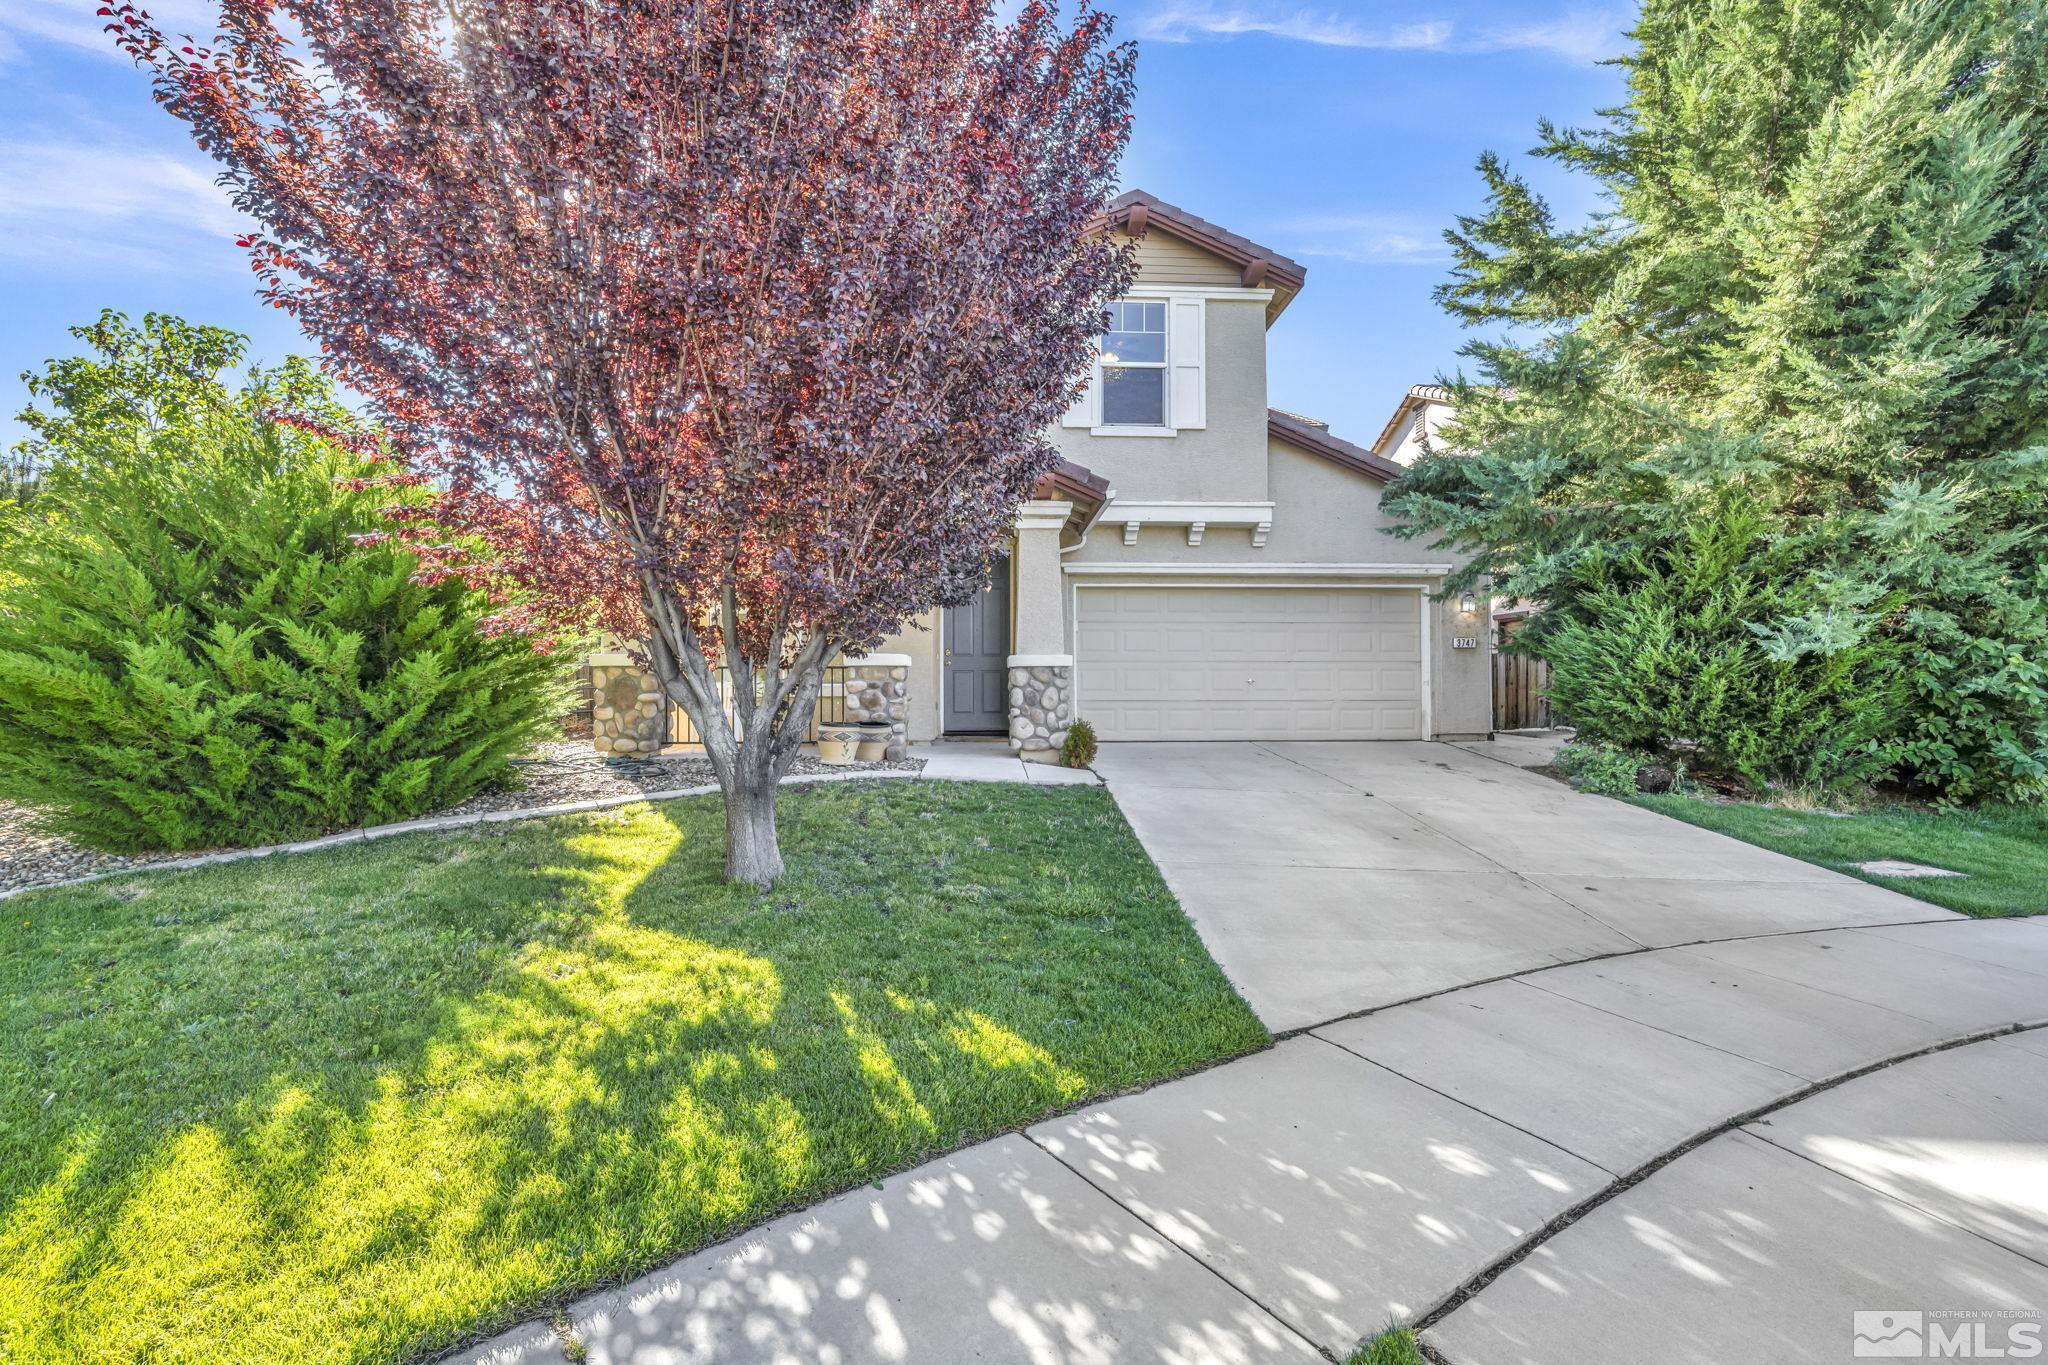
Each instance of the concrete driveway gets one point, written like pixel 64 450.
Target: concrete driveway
pixel 1332 878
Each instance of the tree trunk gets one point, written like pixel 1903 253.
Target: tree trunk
pixel 751 749
pixel 753 854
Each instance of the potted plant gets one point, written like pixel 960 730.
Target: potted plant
pixel 874 739
pixel 838 742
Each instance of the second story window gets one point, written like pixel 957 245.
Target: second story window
pixel 1134 366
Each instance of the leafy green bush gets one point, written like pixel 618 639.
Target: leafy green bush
pixel 211 642
pixel 1078 749
pixel 1722 644
pixel 1600 768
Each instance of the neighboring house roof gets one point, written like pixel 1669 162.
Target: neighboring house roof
pixel 1305 433
pixel 1418 395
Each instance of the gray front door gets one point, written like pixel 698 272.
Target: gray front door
pixel 977 648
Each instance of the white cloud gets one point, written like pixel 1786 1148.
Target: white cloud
pixel 1363 238
pixel 85 206
pixel 1182 21
pixel 73 23
pixel 1578 34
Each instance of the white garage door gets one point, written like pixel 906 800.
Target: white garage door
pixel 1250 663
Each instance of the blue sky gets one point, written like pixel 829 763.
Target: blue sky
pixel 1343 135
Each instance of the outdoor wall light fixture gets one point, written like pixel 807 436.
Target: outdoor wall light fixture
pixel 1467 605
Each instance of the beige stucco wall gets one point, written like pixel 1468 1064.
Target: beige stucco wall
pixel 1038 622
pixel 1224 461
pixel 1324 515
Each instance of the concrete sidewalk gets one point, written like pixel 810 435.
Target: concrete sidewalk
pixel 967 762
pixel 1918 1187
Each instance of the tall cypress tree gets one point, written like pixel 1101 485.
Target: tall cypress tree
pixel 1821 280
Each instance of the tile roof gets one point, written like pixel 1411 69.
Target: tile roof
pixel 1314 437
pixel 1073 481
pixel 1222 241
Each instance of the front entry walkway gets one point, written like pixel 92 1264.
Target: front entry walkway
pixel 1565 1082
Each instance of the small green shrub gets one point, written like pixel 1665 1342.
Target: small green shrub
pixel 1078 750
pixel 1720 644
pixel 209 642
pixel 1600 768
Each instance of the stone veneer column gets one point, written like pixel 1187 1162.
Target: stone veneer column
pixel 1041 676
pixel 629 713
pixel 878 688
pixel 1041 705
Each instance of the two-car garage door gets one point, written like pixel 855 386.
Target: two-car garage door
pixel 1250 662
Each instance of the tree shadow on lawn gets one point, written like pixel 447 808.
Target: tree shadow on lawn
pixel 362 1104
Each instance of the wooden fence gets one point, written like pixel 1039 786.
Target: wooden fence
pixel 1521 687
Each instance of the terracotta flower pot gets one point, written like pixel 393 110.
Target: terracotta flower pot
pixel 837 744
pixel 874 740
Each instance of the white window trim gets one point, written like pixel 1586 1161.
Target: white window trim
pixel 1227 293
pixel 1086 414
pixel 1164 365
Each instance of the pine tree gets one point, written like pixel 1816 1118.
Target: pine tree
pixel 1822 281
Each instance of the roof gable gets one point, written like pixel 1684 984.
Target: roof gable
pixel 1138 213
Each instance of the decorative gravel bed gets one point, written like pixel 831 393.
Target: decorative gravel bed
pixel 554 774
pixel 30 858
pixel 567 770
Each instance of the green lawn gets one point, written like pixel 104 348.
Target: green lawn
pixel 356 1105
pixel 2003 849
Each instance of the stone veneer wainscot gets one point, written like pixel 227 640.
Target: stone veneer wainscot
pixel 629 712
pixel 1041 704
pixel 878 689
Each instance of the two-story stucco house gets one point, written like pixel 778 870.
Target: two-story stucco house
pixel 1201 567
